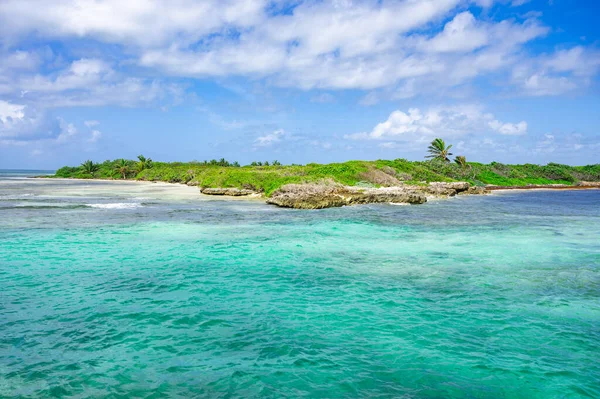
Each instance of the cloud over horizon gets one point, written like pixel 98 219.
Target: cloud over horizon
pixel 418 126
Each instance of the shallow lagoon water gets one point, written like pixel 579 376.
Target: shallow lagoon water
pixel 145 290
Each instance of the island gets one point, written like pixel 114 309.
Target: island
pixel 316 186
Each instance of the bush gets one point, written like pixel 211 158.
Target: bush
pixel 267 178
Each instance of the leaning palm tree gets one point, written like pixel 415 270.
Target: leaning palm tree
pixel 90 167
pixel 461 160
pixel 438 150
pixel 143 163
pixel 122 167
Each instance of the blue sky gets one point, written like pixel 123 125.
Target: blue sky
pixel 298 81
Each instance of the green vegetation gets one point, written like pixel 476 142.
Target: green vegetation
pixel 438 151
pixel 122 167
pixel 268 177
pixel 89 167
pixel 461 160
pixel 143 163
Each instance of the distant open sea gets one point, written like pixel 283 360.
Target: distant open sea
pixel 22 173
pixel 126 289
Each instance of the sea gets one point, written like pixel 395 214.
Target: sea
pixel 137 289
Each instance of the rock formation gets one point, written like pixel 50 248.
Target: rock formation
pixel 330 194
pixel 235 192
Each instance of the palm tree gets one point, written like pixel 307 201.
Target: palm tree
pixel 144 163
pixel 122 167
pixel 90 167
pixel 461 160
pixel 438 150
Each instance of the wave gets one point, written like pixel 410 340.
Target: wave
pixel 49 206
pixel 117 205
pixel 16 197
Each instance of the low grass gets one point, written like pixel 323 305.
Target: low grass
pixel 268 178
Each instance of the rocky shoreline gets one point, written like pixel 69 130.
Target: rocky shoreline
pixel 329 194
pixel 582 185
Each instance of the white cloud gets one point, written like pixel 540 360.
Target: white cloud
pixel 67 133
pixel 462 34
pixel 91 123
pixel 96 135
pixel 561 72
pixel 10 112
pixel 270 139
pixel 87 82
pixel 484 3
pixel 370 99
pixel 540 84
pixel 389 145
pixel 408 89
pixel 23 124
pixel 512 129
pixel 366 46
pixel 19 60
pixel 399 46
pixel 447 122
pixel 138 22
pixel 20 122
pixel 80 74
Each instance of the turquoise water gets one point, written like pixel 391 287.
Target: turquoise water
pixel 142 290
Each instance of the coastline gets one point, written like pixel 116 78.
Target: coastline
pixel 329 194
pixel 193 190
pixel 541 188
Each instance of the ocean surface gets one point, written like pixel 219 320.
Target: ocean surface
pixel 127 289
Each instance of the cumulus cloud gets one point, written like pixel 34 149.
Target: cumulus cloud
pixel 394 49
pixel 19 122
pixel 23 124
pixel 10 113
pixel 448 122
pixel 365 46
pixel 358 45
pixel 137 22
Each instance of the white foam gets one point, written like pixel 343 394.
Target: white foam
pixel 118 205
pixel 16 197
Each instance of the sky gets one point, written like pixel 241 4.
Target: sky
pixel 512 81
